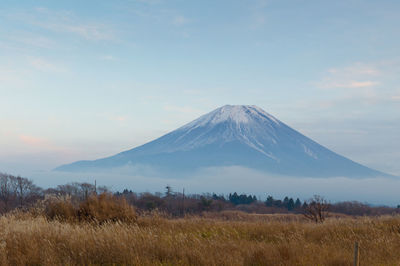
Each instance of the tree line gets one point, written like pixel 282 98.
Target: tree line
pixel 22 193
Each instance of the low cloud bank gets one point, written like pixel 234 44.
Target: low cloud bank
pixel 230 179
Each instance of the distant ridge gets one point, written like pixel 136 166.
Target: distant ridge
pixel 233 135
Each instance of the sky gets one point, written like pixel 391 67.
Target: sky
pixel 88 79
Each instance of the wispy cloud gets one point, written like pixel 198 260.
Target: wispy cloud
pixel 180 20
pixel 351 84
pixel 108 58
pixel 120 118
pixel 396 98
pixel 38 143
pixel 88 31
pixel 356 83
pixel 350 87
pixel 356 69
pixel 65 22
pixel 355 76
pixel 30 140
pixel 44 65
pixel 31 40
pixel 158 14
pixel 10 78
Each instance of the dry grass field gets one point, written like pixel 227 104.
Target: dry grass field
pixel 224 239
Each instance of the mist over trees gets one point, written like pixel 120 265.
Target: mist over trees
pixel 21 193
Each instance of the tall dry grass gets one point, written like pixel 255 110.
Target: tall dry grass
pixel 153 240
pixel 96 209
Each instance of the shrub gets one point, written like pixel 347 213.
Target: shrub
pixel 60 210
pixel 96 208
pixel 316 209
pixel 106 208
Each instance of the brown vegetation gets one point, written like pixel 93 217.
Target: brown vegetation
pixel 96 209
pixel 81 224
pixel 152 240
pixel 106 208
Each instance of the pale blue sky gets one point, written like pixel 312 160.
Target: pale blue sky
pixel 88 79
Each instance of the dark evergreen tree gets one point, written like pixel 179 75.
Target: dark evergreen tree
pixel 270 201
pixel 218 197
pixel 297 204
pixel 285 202
pixel 241 199
pixel 290 204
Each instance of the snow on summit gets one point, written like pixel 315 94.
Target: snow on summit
pixel 249 125
pixel 239 114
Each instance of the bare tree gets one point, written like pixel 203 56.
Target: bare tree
pixel 87 189
pixel 23 188
pixel 26 190
pixel 68 189
pixel 102 189
pixel 7 190
pixel 316 209
pixel 78 191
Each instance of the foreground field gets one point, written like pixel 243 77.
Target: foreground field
pixel 230 239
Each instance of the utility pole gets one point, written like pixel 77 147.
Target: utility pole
pixel 183 202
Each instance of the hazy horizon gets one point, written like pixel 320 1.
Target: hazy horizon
pixel 87 80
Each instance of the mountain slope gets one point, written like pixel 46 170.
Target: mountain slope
pixel 234 135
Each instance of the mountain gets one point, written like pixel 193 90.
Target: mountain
pixel 238 135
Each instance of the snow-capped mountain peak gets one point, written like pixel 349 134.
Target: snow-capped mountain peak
pixel 243 135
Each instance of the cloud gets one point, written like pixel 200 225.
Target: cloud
pixel 114 117
pixel 64 22
pixel 355 76
pixel 120 118
pixel 362 84
pixel 32 40
pixel 44 65
pixel 395 98
pixel 156 14
pixel 108 58
pixel 351 84
pixel 242 180
pixel 180 21
pixel 10 78
pixel 356 69
pixel 366 83
pixel 89 32
pixel 32 141
pixel 38 144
